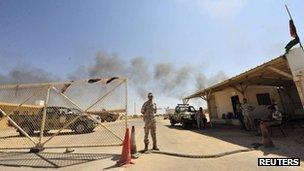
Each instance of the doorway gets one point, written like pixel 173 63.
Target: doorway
pixel 235 100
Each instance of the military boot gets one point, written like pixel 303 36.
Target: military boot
pixel 146 147
pixel 155 148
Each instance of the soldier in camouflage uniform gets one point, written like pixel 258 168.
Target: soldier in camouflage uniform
pixel 148 110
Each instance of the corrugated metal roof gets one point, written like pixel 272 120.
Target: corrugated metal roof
pixel 244 74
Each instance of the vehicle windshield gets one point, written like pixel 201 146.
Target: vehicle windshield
pixel 185 109
pixel 76 111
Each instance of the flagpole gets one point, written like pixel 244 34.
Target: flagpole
pixel 288 11
pixel 290 17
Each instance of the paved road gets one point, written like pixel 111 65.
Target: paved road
pixel 9 138
pixel 171 139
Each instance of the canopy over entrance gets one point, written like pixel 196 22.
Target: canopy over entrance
pixel 272 73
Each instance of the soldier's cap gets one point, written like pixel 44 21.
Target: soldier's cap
pixel 150 94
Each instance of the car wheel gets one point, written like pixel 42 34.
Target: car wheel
pixel 45 132
pixel 90 130
pixel 80 128
pixel 172 122
pixel 184 124
pixel 109 119
pixel 28 129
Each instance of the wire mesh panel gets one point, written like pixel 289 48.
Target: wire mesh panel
pixel 21 109
pixel 68 114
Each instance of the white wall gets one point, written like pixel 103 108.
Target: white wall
pixel 295 59
pixel 223 101
pixel 224 105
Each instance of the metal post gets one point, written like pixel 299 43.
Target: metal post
pixel 126 101
pixel 208 97
pixel 44 113
pixel 209 112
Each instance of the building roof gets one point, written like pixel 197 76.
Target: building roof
pixel 275 72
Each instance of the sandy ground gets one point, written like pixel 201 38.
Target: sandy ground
pixel 170 139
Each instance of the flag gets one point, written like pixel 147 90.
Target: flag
pixel 293 42
pixel 293 33
pixel 292 29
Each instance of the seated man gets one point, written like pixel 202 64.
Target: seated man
pixel 276 116
pixel 274 119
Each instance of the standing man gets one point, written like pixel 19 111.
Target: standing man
pixel 198 117
pixel 240 115
pixel 148 110
pixel 246 111
pixel 204 119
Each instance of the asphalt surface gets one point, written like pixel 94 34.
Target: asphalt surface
pixel 9 137
pixel 170 139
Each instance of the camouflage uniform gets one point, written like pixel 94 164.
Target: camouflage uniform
pixel 148 110
pixel 248 119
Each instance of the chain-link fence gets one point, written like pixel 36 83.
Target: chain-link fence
pixel 86 113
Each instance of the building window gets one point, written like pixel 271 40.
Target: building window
pixel 263 99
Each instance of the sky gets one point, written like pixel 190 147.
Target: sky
pixel 60 36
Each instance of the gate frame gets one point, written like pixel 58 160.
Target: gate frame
pixel 39 145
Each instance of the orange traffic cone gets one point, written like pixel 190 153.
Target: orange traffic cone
pixel 126 151
pixel 134 152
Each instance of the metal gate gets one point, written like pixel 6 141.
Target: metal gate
pixel 85 113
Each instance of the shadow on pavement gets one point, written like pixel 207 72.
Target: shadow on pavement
pixel 37 134
pixel 290 146
pixel 49 160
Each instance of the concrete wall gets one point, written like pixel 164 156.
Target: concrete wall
pixel 224 105
pixel 295 59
